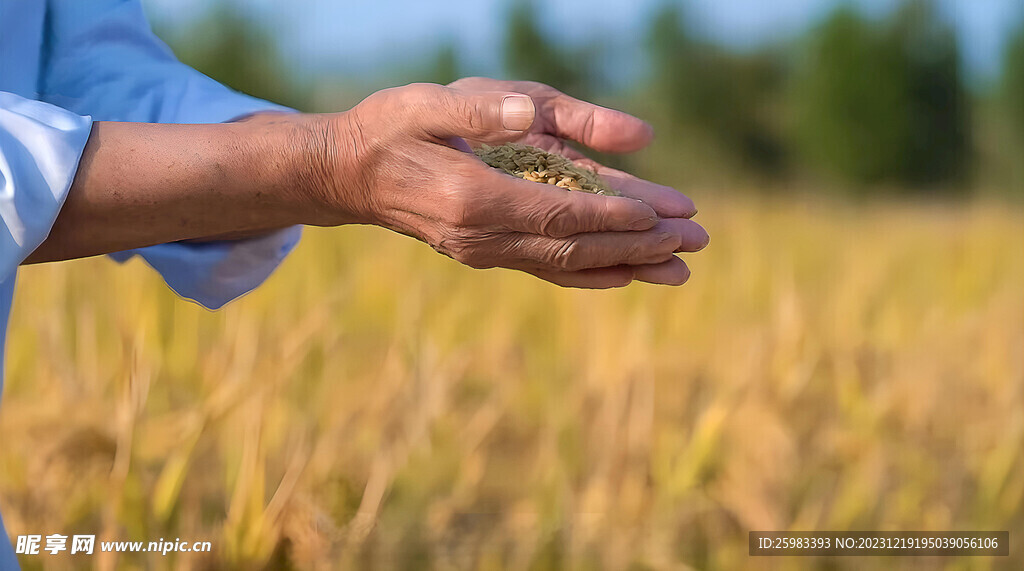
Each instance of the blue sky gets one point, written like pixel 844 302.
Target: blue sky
pixel 359 36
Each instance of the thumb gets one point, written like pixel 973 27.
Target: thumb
pixel 487 116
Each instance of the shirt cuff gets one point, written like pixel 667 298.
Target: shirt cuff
pixel 216 272
pixel 40 146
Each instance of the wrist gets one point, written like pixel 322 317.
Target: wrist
pixel 279 165
pixel 329 170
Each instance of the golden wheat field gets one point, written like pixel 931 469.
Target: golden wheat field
pixel 374 405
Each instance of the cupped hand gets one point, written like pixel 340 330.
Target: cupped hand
pixel 394 160
pixel 561 117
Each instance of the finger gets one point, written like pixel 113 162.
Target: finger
pixel 672 272
pixel 665 200
pixel 597 278
pixel 553 144
pixel 585 251
pixel 600 128
pixel 535 208
pixel 443 112
pixel 692 236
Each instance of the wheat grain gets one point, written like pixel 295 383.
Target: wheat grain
pixel 538 165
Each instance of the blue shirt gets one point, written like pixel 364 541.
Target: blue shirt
pixel 65 64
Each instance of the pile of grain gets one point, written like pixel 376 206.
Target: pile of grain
pixel 538 165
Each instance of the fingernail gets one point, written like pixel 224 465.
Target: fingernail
pixel 644 223
pixel 517 112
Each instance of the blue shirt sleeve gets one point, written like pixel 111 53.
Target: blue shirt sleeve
pixel 101 58
pixel 40 146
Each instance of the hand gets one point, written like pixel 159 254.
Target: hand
pixel 393 161
pixel 561 117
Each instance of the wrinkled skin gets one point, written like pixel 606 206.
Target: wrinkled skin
pixel 399 159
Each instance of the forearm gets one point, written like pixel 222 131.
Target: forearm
pixel 140 184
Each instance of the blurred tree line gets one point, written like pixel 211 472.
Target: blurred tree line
pixel 862 104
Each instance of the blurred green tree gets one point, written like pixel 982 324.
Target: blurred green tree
pixel 668 43
pixel 1013 83
pixel 1009 114
pixel 722 97
pixel 530 55
pixel 445 67
pixel 884 104
pixel 941 148
pixel 228 46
